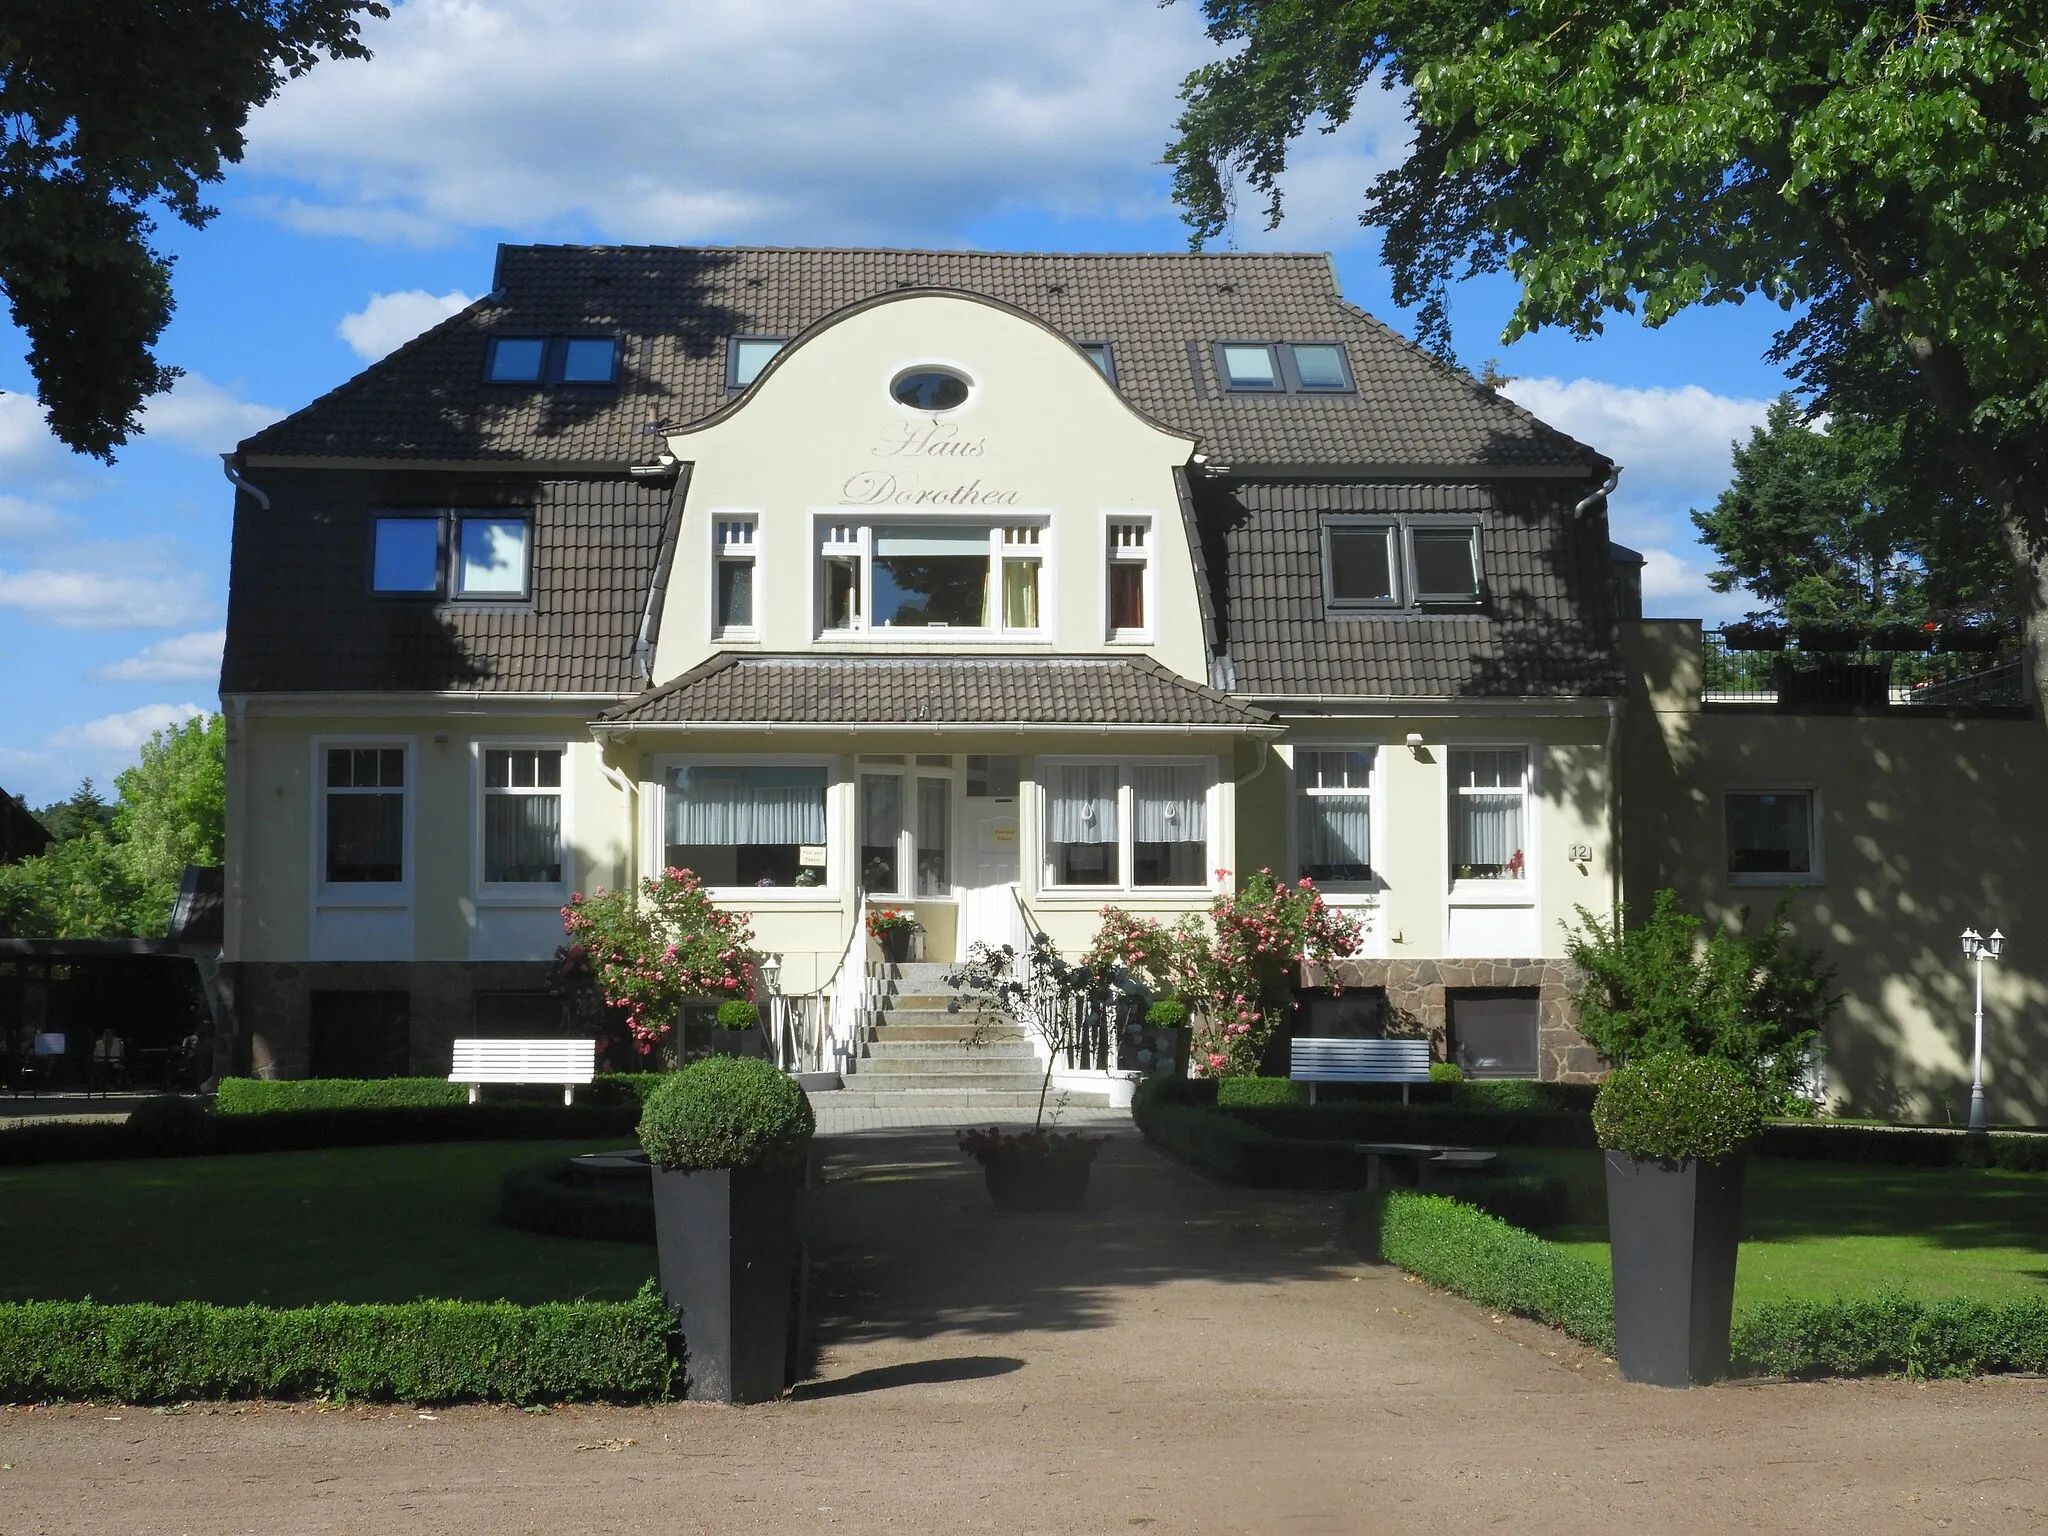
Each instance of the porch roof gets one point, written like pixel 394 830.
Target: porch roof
pixel 996 691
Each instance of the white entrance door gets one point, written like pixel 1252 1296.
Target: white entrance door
pixel 989 866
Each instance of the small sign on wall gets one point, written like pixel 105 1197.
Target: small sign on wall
pixel 1004 836
pixel 811 855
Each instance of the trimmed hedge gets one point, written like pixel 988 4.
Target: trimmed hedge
pixel 1446 1125
pixel 1225 1146
pixel 2017 1152
pixel 547 1197
pixel 418 1351
pixel 1894 1334
pixel 315 1129
pixel 1480 1257
pixel 253 1096
pixel 1244 1092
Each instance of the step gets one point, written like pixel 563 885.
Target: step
pixel 965 1065
pixel 959 1033
pixel 949 1098
pixel 941 1002
pixel 927 975
pixel 951 1050
pixel 871 1080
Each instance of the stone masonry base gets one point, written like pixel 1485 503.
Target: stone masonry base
pixel 1416 989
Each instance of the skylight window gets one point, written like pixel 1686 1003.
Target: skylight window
pixel 1319 365
pixel 746 356
pixel 516 359
pixel 589 359
pixel 1249 367
pixel 1101 356
pixel 1283 367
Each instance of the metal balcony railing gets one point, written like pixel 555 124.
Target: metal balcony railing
pixel 1798 675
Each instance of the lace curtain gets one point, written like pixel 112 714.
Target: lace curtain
pixel 1084 804
pixel 746 805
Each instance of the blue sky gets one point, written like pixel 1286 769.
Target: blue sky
pixel 374 195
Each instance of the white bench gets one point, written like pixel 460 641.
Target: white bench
pixel 1313 1059
pixel 568 1062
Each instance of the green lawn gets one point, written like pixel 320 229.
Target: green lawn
pixel 287 1228
pixel 1826 1229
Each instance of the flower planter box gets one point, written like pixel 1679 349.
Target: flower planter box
pixel 894 944
pixel 1033 1171
pixel 1673 1230
pixel 726 1240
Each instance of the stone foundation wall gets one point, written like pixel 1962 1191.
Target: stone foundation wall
pixel 1416 991
pixel 270 1035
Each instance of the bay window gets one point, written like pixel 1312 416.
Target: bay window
pixel 1333 814
pixel 747 824
pixel 1127 826
pixel 1489 813
pixel 522 816
pixel 926 575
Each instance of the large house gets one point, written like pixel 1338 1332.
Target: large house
pixel 998 587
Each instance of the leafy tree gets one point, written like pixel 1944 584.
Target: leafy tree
pixel 173 810
pixel 79 889
pixel 1873 167
pixel 108 110
pixel 1859 521
pixel 1755 999
pixel 86 811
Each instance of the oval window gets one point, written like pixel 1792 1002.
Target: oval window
pixel 929 389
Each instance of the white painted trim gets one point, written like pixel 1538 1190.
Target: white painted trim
pixel 1214 811
pixel 1523 894
pixel 506 894
pixel 1768 880
pixel 865 519
pixel 1361 893
pixel 359 895
pixel 755 632
pixel 1153 523
pixel 840 824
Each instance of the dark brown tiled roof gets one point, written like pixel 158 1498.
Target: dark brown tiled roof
pixel 676 306
pixel 301 617
pixel 1548 627
pixel 952 690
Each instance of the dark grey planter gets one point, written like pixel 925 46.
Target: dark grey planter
pixel 740 1042
pixel 1673 1228
pixel 726 1240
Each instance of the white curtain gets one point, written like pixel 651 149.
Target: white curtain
pixel 523 838
pixel 745 805
pixel 1171 804
pixel 1486 828
pixel 1335 830
pixel 1084 806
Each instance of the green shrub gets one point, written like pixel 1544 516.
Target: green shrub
pixel 1444 1124
pixel 1167 1013
pixel 726 1112
pixel 1893 1335
pixel 623 1087
pixel 1525 1095
pixel 2016 1152
pixel 250 1096
pixel 1482 1258
pixel 1446 1072
pixel 1227 1148
pixel 1247 1091
pixel 1678 1107
pixel 1156 1091
pixel 419 1352
pixel 1535 1202
pixel 170 1125
pixel 549 1197
pixel 734 1014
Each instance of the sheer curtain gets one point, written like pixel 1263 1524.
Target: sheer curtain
pixel 1084 806
pixel 746 805
pixel 1336 831
pixel 1170 804
pixel 523 838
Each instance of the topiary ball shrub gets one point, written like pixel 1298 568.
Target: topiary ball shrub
pixel 1672 1107
pixel 170 1125
pixel 727 1112
pixel 734 1014
pixel 1446 1072
pixel 1167 1013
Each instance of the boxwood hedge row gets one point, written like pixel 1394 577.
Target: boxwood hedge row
pixel 255 1096
pixel 416 1352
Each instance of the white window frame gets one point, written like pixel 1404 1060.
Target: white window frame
pixel 726 520
pixel 1126 821
pixel 1768 878
pixel 837 829
pixel 1144 554
pixel 1505 893
pixel 861 523
pixel 380 894
pixel 1376 814
pixel 511 893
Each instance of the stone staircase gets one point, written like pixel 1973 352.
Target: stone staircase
pixel 920 1055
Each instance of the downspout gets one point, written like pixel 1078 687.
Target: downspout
pixel 227 467
pixel 1606 490
pixel 1614 708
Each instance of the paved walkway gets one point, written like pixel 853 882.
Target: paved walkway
pixel 1177 1357
pixel 835 1119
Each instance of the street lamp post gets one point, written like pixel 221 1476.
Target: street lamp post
pixel 1979 948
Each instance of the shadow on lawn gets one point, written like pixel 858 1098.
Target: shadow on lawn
pixel 907 1244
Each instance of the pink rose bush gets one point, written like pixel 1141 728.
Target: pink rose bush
pixel 651 950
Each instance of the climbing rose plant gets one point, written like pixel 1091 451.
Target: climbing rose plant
pixel 1237 972
pixel 653 949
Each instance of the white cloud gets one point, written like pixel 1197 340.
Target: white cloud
pixel 182 658
pixel 1662 437
pixel 390 320
pixel 103 599
pixel 30 456
pixel 200 414
pixel 23 521
pixel 126 731
pixel 690 120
